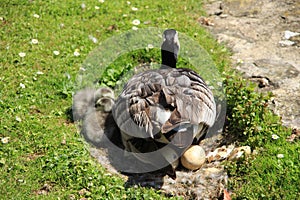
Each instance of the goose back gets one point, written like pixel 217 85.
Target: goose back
pixel 154 103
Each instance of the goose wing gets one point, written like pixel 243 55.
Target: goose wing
pixel 158 101
pixel 191 96
pixel 138 105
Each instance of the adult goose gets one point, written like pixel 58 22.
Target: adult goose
pixel 164 106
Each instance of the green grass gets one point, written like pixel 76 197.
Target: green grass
pixel 45 153
pixel 273 173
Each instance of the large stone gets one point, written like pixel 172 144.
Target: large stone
pixel 263 36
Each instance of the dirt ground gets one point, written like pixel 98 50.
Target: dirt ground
pixel 264 36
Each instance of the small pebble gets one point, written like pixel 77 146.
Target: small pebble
pixel 286 43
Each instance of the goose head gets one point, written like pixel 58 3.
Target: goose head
pixel 170 48
pixel 104 99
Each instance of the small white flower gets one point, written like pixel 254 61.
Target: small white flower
pixel 275 137
pixel 220 84
pixel 134 9
pixel 125 15
pixel 280 155
pixel 5 140
pixel 36 16
pixel 34 41
pixel 1 19
pixel 56 52
pixel 128 2
pixel 62 25
pixel 150 46
pixel 136 22
pixel 97 7
pixel 22 85
pixel 39 73
pixel 83 6
pixel 135 28
pixel 76 52
pixel 22 54
pixel 93 39
pixel 82 69
pixel 240 61
pixel 67 75
pixel 101 1
pixel 18 119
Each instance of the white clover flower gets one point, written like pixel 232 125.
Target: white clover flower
pixel 22 85
pixel 93 39
pixel 134 8
pixel 150 46
pixel 56 52
pixel 97 7
pixel 5 140
pixel 220 84
pixel 36 16
pixel 136 22
pixel 22 54
pixel 1 19
pixel 67 75
pixel 39 73
pixel 128 2
pixel 101 1
pixel 275 137
pixel 76 52
pixel 83 6
pixel 135 28
pixel 18 119
pixel 280 155
pixel 34 41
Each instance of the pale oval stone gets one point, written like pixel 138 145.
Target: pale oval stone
pixel 193 158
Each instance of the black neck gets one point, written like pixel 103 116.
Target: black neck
pixel 169 59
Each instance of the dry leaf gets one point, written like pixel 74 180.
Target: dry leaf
pixel 226 195
pixel 295 135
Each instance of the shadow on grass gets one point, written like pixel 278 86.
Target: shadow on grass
pixel 100 130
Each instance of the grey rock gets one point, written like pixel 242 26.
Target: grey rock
pixel 264 38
